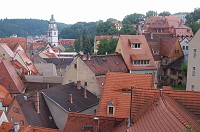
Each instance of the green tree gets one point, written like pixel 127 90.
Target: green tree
pixel 133 18
pixel 195 27
pixel 78 43
pixel 151 13
pixel 87 48
pixel 107 46
pixel 106 28
pixel 128 29
pixel 193 16
pixel 164 13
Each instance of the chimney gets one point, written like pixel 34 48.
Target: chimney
pixel 88 57
pixel 16 127
pixel 85 93
pixel 37 102
pixel 71 100
pixel 79 84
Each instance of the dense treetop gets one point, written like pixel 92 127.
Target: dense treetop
pixel 25 27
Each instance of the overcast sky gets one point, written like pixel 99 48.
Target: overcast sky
pixel 72 11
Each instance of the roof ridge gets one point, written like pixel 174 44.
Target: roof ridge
pixel 173 112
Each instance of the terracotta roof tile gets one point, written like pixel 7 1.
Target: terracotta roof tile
pixel 160 111
pixel 8 126
pixel 10 79
pixel 67 41
pixel 101 64
pixel 127 51
pixel 77 122
pixel 98 38
pixel 27 63
pixel 166 46
pixel 12 42
pixel 115 83
pixel 7 49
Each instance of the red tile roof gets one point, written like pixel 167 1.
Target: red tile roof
pixel 101 81
pixel 77 122
pixel 98 38
pixel 101 64
pixel 48 52
pixel 112 91
pixel 36 45
pixel 27 63
pixel 158 111
pixel 127 51
pixel 13 42
pixel 167 46
pixel 7 49
pixel 39 129
pixel 67 41
pixel 11 80
pixel 5 95
pixel 6 126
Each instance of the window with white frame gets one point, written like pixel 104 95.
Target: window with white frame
pixel 110 108
pixel 186 47
pixel 193 71
pixel 194 53
pixel 183 47
pixel 135 45
pixel 141 62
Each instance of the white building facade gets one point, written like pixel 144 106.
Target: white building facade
pixel 52 34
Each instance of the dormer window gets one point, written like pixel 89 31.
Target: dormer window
pixel 110 108
pixel 135 45
pixel 141 62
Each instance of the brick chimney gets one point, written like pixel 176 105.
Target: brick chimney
pixel 71 98
pixel 37 101
pixel 79 84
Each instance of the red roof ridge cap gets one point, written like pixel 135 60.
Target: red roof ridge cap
pixel 176 115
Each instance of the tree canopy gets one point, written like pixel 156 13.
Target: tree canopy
pixel 164 13
pixel 128 29
pixel 193 16
pixel 25 27
pixel 151 13
pixel 106 28
pixel 107 46
pixel 133 18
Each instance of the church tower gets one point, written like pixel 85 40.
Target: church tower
pixel 52 32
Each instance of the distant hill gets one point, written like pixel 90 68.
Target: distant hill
pixel 25 27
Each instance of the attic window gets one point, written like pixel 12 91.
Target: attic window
pixel 126 90
pixel 110 109
pixel 135 45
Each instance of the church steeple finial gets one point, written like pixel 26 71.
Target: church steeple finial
pixel 52 20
